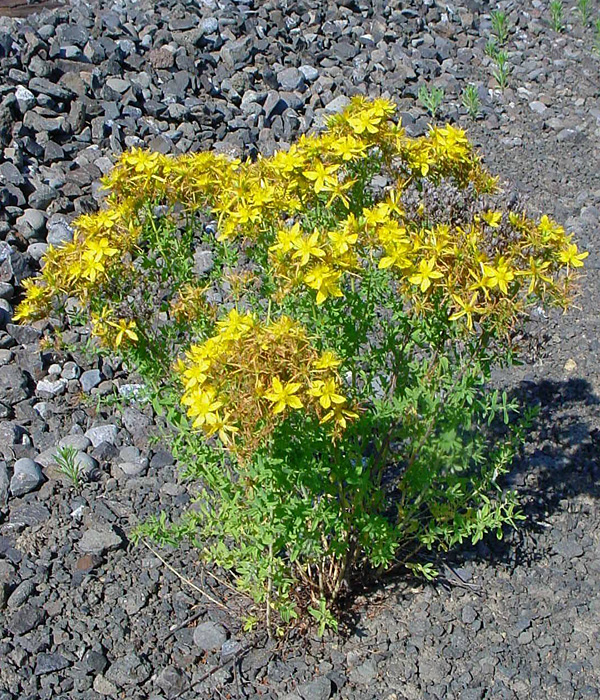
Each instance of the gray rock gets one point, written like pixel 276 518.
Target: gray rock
pixel 31 224
pixel 137 424
pixel 27 476
pixel 77 442
pixel 538 107
pixel 4 482
pixel 25 99
pixel 10 433
pixel 70 370
pixel 9 173
pixel 99 541
pixel 290 79
pixel 130 391
pixel 118 85
pixel 94 662
pixel 129 670
pixel 172 681
pixel 337 105
pixel 319 689
pixel 90 379
pixel 130 469
pixel 37 250
pixel 208 25
pixel 21 594
pixel 13 385
pixel 59 232
pixel 104 687
pixel 52 387
pixel 310 73
pixel 26 619
pixel 48 663
pixel 210 636
pixel 42 197
pixel 103 433
pixel 24 335
pixel 365 673
pixel 203 262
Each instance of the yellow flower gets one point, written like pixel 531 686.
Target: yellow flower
pixel 500 276
pixel 325 280
pixel 283 396
pixel 287 238
pixel 202 406
pixel 340 415
pixel 321 176
pixel 125 332
pixel 223 428
pixel 492 218
pixel 326 392
pixel 425 274
pixel 235 325
pixel 348 147
pixel 536 271
pixel 307 247
pixel 328 360
pixel 467 308
pixel 366 120
pixel 341 240
pixel 570 257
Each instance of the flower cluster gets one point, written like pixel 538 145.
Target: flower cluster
pixel 241 381
pixel 314 223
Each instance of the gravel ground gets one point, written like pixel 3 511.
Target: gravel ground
pixel 84 615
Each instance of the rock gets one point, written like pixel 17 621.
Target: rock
pixel 24 335
pixel 365 673
pixel 48 663
pixel 172 681
pixel 10 174
pixel 103 433
pixel 137 424
pixel 104 687
pixel 70 371
pixel 31 224
pixel 27 476
pixel 203 262
pixel 10 433
pixel 94 662
pixel 13 385
pixel 4 483
pixel 290 79
pixel 51 387
pixel 25 99
pixel 337 105
pixel 21 594
pixel 59 232
pixel 99 541
pixel 25 619
pixel 319 689
pixel 129 670
pixel 77 442
pixel 309 72
pixel 538 107
pixel 209 636
pixel 90 379
pixel 42 197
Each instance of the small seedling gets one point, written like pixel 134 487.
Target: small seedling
pixel 431 98
pixel 557 15
pixel 471 101
pixel 502 70
pixel 69 465
pixel 491 48
pixel 500 26
pixel 584 8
